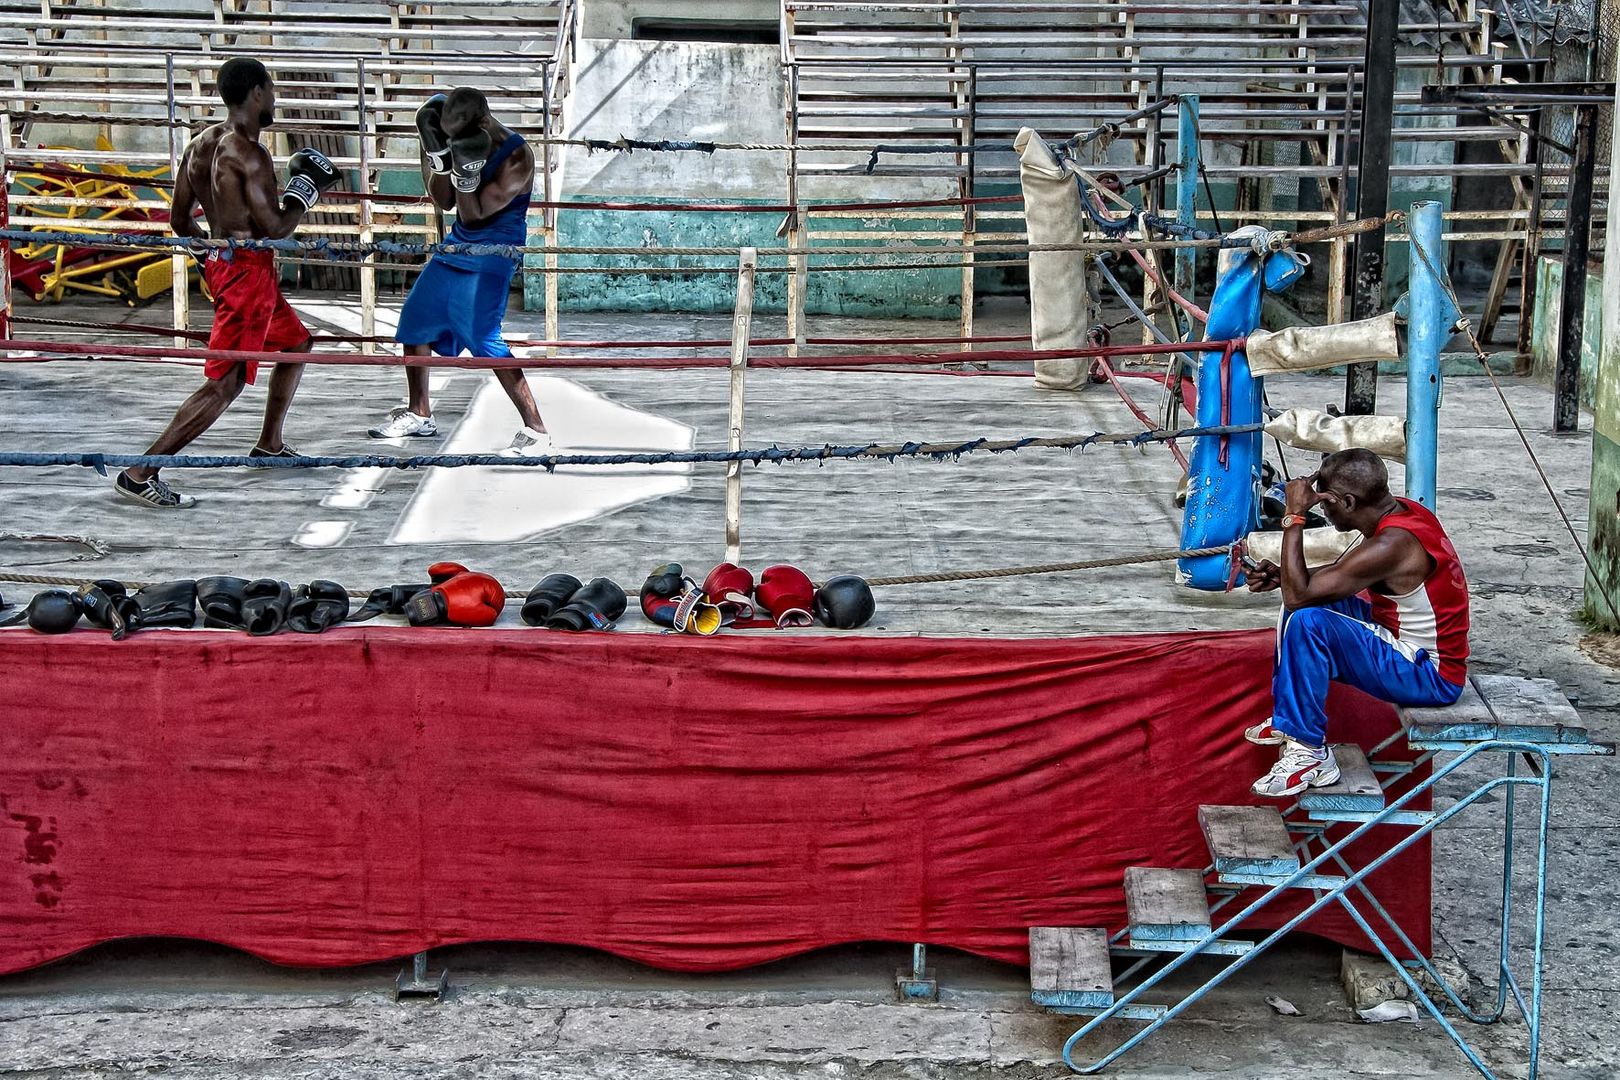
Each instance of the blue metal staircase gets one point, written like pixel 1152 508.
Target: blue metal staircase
pixel 1187 913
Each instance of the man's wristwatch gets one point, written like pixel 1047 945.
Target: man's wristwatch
pixel 1289 521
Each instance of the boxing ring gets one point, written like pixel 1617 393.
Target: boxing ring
pixel 698 804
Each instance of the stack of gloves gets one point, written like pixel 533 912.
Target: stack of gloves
pixel 783 597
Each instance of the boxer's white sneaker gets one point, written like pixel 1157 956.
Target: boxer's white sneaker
pixel 529 443
pixel 1263 734
pixel 402 423
pixel 1298 768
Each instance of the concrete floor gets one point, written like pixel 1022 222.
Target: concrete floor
pixel 191 1010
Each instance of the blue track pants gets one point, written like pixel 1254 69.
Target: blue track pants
pixel 1340 642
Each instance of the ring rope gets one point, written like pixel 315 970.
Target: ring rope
pixel 59 351
pixel 95 549
pixel 938 451
pixel 337 248
pixel 1484 359
pixel 153 330
pixel 876 583
pixel 57 172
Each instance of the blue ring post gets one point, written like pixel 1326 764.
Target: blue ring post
pixel 1432 318
pixel 1187 151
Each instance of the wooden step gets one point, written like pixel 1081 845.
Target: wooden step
pixel 1165 905
pixel 1169 913
pixel 1358 789
pixel 1511 708
pixel 1069 967
pixel 1251 846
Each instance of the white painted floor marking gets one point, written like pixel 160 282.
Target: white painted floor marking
pixel 499 505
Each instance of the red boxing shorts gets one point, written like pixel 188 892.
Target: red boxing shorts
pixel 250 314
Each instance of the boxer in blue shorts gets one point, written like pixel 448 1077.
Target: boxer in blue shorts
pixel 484 171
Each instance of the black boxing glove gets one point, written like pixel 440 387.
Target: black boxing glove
pixel 469 152
pixel 221 601
pixel 54 611
pixel 845 603
pixel 388 600
pixel 546 598
pixel 308 174
pixel 316 606
pixel 264 606
pixel 168 603
pixel 430 126
pixel 106 605
pixel 594 607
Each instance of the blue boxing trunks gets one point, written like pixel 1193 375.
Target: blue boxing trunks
pixel 455 310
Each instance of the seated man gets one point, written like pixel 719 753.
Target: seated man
pixel 1390 617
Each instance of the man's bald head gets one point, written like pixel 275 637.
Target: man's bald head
pixel 1355 472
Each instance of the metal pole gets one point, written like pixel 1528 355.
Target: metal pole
pixel 1433 317
pixel 1187 156
pixel 180 264
pixel 797 233
pixel 551 216
pixel 5 223
pixel 1577 246
pixel 741 326
pixel 1372 188
pixel 368 271
pixel 1532 246
pixel 969 218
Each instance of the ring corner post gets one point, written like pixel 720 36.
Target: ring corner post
pixel 741 330
pixel 1188 166
pixel 1432 320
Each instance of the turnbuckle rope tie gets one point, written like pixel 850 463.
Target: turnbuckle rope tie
pixel 938 451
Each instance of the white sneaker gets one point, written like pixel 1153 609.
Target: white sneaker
pixel 1298 768
pixel 529 443
pixel 402 423
pixel 1263 734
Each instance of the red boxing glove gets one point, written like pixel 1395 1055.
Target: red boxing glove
pixel 468 599
pixel 786 592
pixel 731 589
pixel 441 572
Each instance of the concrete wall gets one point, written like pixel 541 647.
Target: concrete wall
pixel 706 91
pixel 1603 526
pixel 612 18
pixel 1549 316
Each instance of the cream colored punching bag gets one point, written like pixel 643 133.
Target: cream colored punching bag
pixel 1059 303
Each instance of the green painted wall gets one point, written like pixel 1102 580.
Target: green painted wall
pixel 1603 526
pixel 1549 316
pixel 1602 339
pixel 917 293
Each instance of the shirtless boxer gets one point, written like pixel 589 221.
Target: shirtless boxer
pixel 484 171
pixel 230 175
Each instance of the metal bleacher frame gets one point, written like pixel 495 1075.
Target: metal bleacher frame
pixel 351 72
pixel 1503 718
pixel 1277 80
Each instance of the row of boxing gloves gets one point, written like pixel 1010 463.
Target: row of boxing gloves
pixel 782 597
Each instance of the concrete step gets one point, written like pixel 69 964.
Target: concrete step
pixel 1358 789
pixel 1251 846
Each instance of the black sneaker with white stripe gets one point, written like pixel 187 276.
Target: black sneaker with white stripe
pixel 154 493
